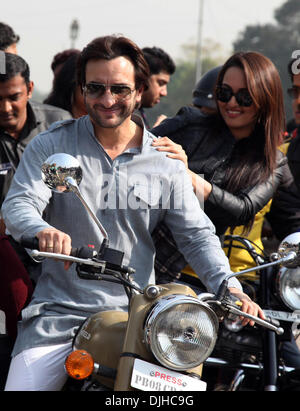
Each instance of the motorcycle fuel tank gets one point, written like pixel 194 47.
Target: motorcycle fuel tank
pixel 102 335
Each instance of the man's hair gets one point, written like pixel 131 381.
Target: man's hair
pixel 15 65
pixel 110 47
pixel 158 60
pixel 7 36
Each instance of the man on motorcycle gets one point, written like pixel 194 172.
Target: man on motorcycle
pixel 129 185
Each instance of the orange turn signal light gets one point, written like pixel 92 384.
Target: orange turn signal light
pixel 79 364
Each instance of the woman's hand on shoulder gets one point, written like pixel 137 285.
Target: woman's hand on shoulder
pixel 174 150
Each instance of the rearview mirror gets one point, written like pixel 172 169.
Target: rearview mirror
pixel 62 173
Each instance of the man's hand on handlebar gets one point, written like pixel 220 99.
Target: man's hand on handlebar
pixel 55 241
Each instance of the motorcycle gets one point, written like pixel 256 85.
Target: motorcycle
pixel 249 358
pixel 169 331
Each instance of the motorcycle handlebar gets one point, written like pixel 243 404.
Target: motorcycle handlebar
pixel 265 323
pixel 83 252
pixel 83 255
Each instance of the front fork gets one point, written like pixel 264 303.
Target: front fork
pixel 269 341
pixel 270 349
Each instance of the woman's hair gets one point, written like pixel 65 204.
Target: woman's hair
pixel 64 85
pixel 254 159
pixel 110 47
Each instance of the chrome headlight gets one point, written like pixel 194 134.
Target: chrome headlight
pixel 181 331
pixel 289 287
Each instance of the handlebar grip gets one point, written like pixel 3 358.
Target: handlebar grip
pixel 82 252
pixel 30 242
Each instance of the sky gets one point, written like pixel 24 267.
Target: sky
pixel 44 26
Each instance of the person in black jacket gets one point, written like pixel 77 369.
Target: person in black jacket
pixel 232 156
pixel 20 121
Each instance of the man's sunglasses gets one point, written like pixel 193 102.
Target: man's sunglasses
pixel 294 92
pixel 224 93
pixel 96 90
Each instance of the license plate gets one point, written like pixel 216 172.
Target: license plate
pixel 151 377
pixel 282 315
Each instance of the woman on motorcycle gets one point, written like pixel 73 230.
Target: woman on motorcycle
pixel 235 164
pixel 232 156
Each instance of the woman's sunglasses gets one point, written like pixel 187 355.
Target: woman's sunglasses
pixel 96 90
pixel 224 93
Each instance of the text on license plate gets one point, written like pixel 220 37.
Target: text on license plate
pixel 151 377
pixel 284 316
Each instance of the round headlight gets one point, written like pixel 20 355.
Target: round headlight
pixel 289 287
pixel 181 331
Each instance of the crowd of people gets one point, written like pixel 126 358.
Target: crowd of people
pixel 225 156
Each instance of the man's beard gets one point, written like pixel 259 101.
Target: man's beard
pixel 124 112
